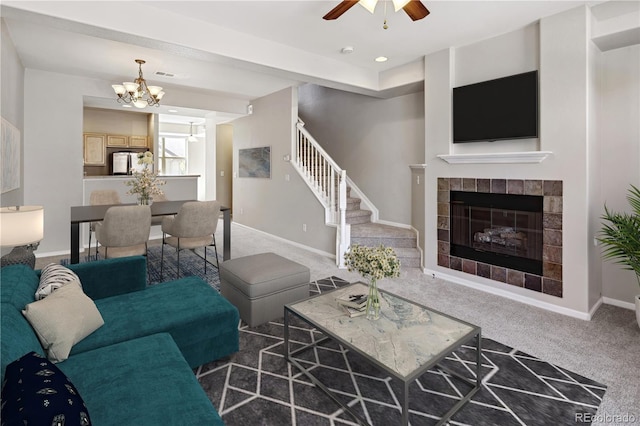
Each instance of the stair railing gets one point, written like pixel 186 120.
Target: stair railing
pixel 327 181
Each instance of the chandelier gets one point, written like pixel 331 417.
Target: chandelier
pixel 137 92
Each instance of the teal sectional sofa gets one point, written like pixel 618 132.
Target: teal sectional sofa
pixel 137 367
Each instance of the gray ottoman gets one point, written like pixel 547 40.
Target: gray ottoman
pixel 260 285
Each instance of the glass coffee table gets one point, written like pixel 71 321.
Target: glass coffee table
pixel 407 340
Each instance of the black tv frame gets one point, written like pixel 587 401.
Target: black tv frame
pixel 493 86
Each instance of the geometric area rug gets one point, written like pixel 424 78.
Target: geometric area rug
pixel 256 386
pixel 191 264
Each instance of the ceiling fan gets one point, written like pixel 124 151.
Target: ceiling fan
pixel 414 8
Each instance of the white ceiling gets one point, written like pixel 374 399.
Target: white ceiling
pixel 248 49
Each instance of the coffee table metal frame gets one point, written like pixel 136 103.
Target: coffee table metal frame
pixel 406 380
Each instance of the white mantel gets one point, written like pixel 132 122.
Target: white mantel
pixel 497 158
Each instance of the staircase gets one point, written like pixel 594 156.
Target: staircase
pixel 366 233
pixel 344 210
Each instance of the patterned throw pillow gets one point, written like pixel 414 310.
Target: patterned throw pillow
pixel 52 277
pixel 36 392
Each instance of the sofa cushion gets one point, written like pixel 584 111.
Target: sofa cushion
pixel 202 322
pixel 36 392
pixel 19 284
pixel 110 277
pixel 63 319
pixel 52 277
pixel 144 381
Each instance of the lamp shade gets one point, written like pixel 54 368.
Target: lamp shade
pixel 21 225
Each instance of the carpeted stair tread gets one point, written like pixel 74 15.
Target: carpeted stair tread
pixel 409 257
pixel 379 230
pixel 354 217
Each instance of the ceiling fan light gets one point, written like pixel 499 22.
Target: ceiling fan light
pixel 370 5
pixel 399 4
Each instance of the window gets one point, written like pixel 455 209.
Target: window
pixel 172 159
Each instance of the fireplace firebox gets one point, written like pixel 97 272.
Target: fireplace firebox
pixel 498 229
pixel 505 230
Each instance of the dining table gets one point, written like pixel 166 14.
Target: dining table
pixel 95 213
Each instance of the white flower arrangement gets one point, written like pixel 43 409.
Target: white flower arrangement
pixel 145 183
pixel 373 262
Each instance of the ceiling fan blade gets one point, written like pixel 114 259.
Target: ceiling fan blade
pixel 337 11
pixel 416 10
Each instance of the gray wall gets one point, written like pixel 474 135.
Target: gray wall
pixel 224 164
pixel 12 107
pixel 619 132
pixel 417 203
pixel 277 206
pixel 374 140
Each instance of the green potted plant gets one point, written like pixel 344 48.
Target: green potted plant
pixel 620 235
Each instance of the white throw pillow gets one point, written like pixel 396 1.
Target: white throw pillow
pixel 63 319
pixel 52 277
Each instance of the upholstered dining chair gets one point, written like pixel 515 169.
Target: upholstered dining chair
pixel 100 197
pixel 157 220
pixel 124 231
pixel 193 227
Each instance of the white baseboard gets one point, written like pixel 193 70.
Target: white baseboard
pixel 51 253
pixel 518 298
pixel 619 303
pixel 296 244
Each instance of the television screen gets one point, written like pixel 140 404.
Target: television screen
pixel 504 108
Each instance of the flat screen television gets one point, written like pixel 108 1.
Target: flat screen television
pixel 504 108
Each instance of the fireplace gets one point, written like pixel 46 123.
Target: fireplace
pixel 498 229
pixel 507 230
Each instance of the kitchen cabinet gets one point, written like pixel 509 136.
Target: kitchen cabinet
pixel 94 149
pixel 118 141
pixel 138 141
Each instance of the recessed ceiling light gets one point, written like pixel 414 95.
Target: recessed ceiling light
pixel 173 110
pixel 346 50
pixel 381 59
pixel 126 106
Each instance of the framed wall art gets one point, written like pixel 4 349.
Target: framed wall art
pixel 254 162
pixel 9 157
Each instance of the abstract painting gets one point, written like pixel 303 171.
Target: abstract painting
pixel 9 157
pixel 254 162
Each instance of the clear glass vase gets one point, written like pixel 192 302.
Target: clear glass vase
pixel 373 301
pixel 145 200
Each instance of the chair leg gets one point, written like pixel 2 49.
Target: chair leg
pixel 89 256
pixel 162 256
pixel 205 261
pixel 146 258
pixel 215 246
pixel 178 265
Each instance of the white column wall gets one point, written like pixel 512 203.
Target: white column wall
pixel 564 105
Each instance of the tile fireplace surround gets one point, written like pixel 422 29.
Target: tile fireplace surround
pixel 551 280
